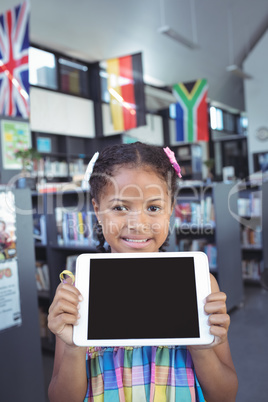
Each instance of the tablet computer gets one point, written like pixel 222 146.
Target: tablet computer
pixel 139 299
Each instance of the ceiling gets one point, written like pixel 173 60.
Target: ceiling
pixel 224 31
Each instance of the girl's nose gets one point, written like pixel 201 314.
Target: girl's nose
pixel 138 220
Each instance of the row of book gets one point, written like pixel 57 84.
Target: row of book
pixel 42 272
pixel 198 213
pixel 53 168
pixel 59 168
pixel 77 167
pixel 250 206
pixel 200 245
pixel 42 276
pixel 75 228
pixel 45 333
pixel 251 269
pixel 57 187
pixel 39 229
pixel 251 238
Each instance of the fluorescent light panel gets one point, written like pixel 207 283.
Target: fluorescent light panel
pixel 166 30
pixel 234 69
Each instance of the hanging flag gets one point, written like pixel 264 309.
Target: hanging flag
pixel 126 89
pixel 191 111
pixel 14 70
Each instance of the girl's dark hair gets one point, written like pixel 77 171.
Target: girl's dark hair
pixel 132 155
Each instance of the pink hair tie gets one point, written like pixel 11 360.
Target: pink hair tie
pixel 171 156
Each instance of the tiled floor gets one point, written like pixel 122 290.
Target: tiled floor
pixel 248 337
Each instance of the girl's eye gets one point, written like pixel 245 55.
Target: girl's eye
pixel 153 208
pixel 120 208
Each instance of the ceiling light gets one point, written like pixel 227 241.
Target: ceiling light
pixel 166 30
pixel 234 69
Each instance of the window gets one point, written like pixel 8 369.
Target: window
pixel 105 95
pixel 228 122
pixel 216 118
pixel 73 77
pixel 172 111
pixel 243 125
pixel 42 68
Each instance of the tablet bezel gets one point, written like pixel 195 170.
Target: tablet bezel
pixel 203 289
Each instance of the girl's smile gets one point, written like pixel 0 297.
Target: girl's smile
pixel 134 210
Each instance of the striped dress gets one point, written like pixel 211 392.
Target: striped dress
pixel 141 374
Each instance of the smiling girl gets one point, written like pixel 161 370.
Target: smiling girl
pixel 133 189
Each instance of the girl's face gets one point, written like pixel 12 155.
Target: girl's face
pixel 134 211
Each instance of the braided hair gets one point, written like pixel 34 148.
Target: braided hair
pixel 131 155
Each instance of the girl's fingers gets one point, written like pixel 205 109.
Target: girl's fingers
pixel 219 332
pixel 63 306
pixel 68 293
pixel 222 320
pixel 216 296
pixel 217 307
pixel 58 323
pixel 218 319
pixel 216 303
pixel 71 288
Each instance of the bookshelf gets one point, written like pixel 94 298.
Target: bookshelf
pixel 64 157
pixel 20 347
pixel 253 218
pixel 203 222
pixel 189 157
pixel 62 215
pixel 66 232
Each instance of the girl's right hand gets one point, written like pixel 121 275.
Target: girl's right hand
pixel 64 311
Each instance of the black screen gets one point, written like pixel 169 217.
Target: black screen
pixel 142 298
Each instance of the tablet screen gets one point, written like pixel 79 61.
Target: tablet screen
pixel 144 298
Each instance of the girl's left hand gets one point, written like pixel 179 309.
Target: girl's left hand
pixel 218 319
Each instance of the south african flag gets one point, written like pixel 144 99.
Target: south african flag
pixel 191 111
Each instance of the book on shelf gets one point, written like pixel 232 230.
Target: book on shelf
pixel 251 238
pixel 42 276
pixel 71 262
pixel 197 213
pixel 55 168
pixel 39 229
pixel 43 322
pixel 200 245
pixel 250 206
pixel 77 167
pixel 45 333
pixel 256 203
pixel 243 206
pixel 75 228
pixel 251 269
pixel 54 187
pixel 211 251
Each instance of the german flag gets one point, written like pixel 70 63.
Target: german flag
pixel 126 88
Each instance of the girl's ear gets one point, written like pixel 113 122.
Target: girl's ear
pixel 96 208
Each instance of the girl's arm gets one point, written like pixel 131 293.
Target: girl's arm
pixel 69 379
pixel 213 363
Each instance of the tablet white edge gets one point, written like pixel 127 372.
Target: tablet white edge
pixel 201 275
pixel 81 282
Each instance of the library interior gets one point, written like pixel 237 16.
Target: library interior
pixel 76 77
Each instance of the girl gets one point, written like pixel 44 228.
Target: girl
pixel 133 189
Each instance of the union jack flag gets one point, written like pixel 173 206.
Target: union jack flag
pixel 14 70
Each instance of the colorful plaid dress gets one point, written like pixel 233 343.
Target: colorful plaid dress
pixel 141 374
